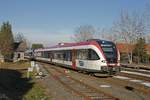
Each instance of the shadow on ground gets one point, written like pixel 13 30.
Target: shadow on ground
pixel 12 85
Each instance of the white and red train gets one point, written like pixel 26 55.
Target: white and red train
pixel 92 55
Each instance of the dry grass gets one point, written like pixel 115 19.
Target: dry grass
pixel 16 66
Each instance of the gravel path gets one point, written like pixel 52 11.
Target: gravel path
pixel 108 86
pixel 56 90
pixel 115 87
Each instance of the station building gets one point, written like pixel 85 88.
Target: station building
pixel 19 49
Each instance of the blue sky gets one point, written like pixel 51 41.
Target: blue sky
pixel 52 21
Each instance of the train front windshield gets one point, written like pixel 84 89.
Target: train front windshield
pixel 110 51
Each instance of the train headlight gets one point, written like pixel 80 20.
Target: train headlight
pixel 103 61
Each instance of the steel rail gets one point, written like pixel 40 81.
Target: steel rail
pixel 88 92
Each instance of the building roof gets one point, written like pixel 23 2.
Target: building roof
pixel 125 48
pixel 20 46
pixel 147 47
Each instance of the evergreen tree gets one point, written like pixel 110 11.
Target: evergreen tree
pixel 37 46
pixel 6 40
pixel 140 52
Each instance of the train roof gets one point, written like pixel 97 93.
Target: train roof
pixel 88 42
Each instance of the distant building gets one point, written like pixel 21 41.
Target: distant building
pixel 147 47
pixel 128 48
pixel 19 49
pixel 126 51
pixel 125 48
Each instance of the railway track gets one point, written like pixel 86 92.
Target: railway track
pixel 132 86
pixel 138 77
pixel 136 70
pixel 84 90
pixel 60 76
pixel 125 84
pixel 135 66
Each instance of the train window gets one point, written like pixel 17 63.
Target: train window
pixel 51 55
pixel 45 54
pixel 42 54
pixel 82 54
pixel 63 55
pixel 55 55
pixel 67 55
pixel 58 55
pixel 92 55
pixel 38 54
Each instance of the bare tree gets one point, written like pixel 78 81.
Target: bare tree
pixel 129 27
pixel 146 16
pixel 19 37
pixel 29 44
pixel 108 34
pixel 84 33
pixel 147 37
pixel 103 33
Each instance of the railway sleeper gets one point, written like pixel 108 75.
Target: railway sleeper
pixel 100 98
pixel 93 94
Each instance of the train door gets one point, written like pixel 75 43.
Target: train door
pixel 82 58
pixel 74 58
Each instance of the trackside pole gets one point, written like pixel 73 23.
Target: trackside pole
pixel 34 66
pixel 30 69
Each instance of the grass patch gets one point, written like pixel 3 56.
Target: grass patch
pixel 36 93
